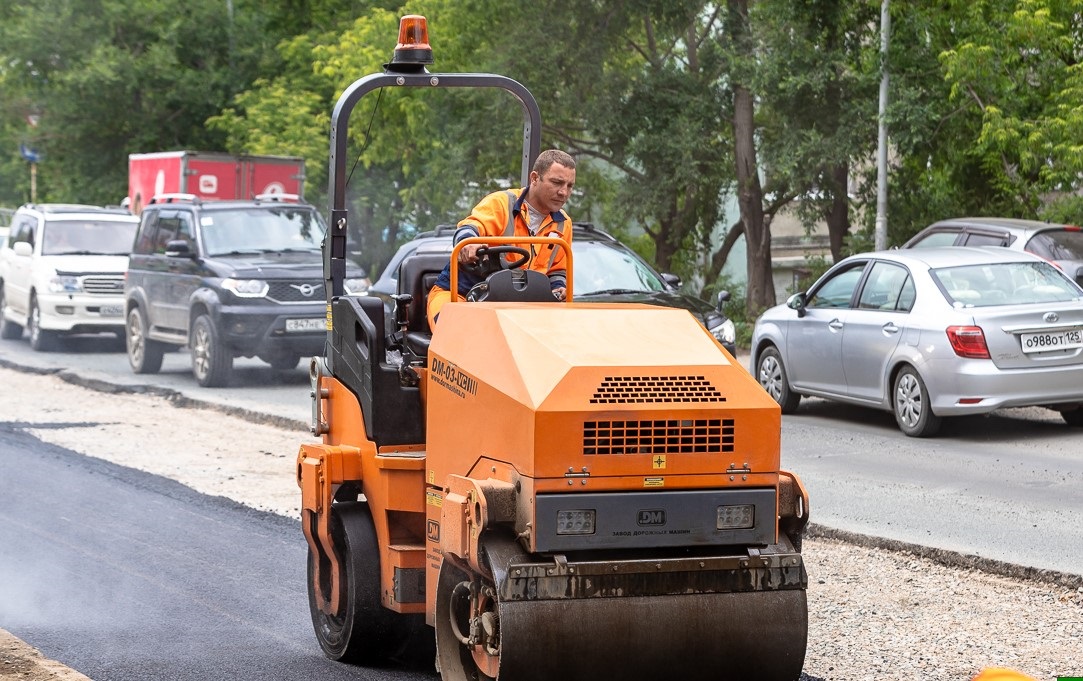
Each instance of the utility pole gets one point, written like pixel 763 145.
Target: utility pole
pixel 31 155
pixel 881 155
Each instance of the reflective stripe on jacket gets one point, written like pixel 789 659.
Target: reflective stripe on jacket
pixel 505 213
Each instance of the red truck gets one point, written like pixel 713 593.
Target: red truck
pixel 211 175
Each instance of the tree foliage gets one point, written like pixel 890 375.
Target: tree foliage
pixel 416 159
pixel 635 90
pixel 113 77
pixel 987 110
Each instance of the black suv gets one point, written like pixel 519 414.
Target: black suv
pixel 228 279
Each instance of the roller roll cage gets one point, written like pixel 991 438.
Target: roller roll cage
pixel 398 76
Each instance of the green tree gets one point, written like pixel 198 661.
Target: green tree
pixel 818 80
pixel 633 88
pixel 417 158
pixel 798 98
pixel 987 110
pixel 1018 72
pixel 113 77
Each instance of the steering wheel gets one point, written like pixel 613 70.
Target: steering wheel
pixel 491 259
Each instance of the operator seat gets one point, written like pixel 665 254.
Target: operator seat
pixel 417 274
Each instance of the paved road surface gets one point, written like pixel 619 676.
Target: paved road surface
pixel 129 576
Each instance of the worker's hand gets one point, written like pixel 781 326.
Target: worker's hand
pixel 560 293
pixel 468 254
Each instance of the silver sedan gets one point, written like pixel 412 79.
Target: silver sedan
pixel 929 333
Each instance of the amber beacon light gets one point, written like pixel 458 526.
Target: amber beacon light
pixel 413 48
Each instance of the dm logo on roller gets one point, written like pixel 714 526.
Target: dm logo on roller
pixel 652 517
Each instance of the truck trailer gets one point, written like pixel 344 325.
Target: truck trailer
pixel 211 175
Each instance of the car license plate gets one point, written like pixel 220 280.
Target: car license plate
pixel 1057 340
pixel 112 311
pixel 315 324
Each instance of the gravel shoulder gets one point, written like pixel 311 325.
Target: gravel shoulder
pixel 877 610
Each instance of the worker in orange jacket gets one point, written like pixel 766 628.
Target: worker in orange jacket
pixel 535 210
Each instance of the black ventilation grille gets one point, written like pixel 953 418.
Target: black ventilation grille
pixel 659 436
pixel 648 389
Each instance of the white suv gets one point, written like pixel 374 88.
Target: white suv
pixel 62 271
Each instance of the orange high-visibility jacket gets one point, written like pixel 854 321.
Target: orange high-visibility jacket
pixel 504 213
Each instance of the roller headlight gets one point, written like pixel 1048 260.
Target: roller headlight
pixel 735 517
pixel 576 522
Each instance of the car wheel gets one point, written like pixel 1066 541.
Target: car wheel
pixel 8 330
pixel 144 354
pixel 772 376
pixel 41 339
pixel 212 362
pixel 1073 417
pixel 912 406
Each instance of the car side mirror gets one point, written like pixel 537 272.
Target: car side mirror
pixel 723 298
pixel 797 302
pixel 22 248
pixel 671 279
pixel 178 249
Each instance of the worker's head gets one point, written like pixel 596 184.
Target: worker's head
pixel 1001 674
pixel 552 180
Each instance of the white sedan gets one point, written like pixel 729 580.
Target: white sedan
pixel 929 333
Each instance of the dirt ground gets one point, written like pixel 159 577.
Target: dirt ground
pixel 21 661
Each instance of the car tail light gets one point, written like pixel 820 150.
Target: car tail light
pixel 968 341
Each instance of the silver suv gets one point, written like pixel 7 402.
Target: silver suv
pixel 62 271
pixel 1060 244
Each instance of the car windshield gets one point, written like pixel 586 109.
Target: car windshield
pixel 87 237
pixel 1005 283
pixel 608 267
pixel 1058 244
pixel 244 230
